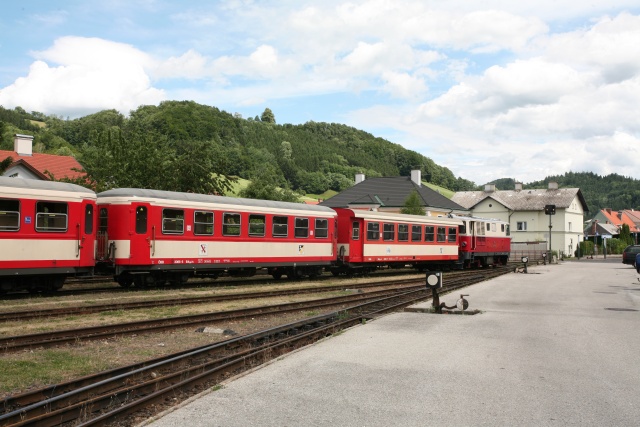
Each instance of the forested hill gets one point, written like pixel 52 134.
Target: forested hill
pixel 185 146
pixel 177 145
pixel 611 191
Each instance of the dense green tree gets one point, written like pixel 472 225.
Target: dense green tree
pixel 625 235
pixel 268 116
pixel 413 205
pixel 4 164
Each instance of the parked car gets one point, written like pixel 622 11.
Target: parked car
pixel 629 254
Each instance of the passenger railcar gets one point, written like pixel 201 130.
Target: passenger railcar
pixel 368 240
pixel 46 233
pixel 151 236
pixel 484 242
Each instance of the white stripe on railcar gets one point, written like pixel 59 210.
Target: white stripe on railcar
pixel 381 250
pixel 38 250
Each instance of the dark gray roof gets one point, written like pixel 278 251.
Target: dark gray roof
pixel 37 184
pixel 523 200
pixel 206 198
pixel 389 192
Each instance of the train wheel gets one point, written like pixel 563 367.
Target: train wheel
pixel 125 280
pixel 276 275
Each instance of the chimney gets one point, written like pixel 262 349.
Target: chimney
pixel 359 178
pixel 489 188
pixel 23 144
pixel 416 177
pixel 518 186
pixel 553 185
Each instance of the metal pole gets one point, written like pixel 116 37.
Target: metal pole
pixel 549 239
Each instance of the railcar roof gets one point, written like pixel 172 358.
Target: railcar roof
pixel 206 198
pixel 381 216
pixel 35 184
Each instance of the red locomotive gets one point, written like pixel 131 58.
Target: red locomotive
pixel 483 242
pixel 46 234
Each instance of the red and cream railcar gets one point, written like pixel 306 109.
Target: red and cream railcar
pixel 151 236
pixel 46 233
pixel 369 240
pixel 484 242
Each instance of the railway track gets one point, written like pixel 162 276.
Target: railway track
pixel 127 395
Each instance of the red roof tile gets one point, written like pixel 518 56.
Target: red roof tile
pixel 59 166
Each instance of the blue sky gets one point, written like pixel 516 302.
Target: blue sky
pixel 489 89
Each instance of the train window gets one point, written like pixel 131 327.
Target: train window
pixel 429 233
pixel 373 231
pixel 508 230
pixel 51 216
pixel 172 221
pixel 322 228
pixel 463 227
pixel 257 225
pixel 231 224
pixel 203 223
pixel 502 228
pixel 416 233
pixel 488 227
pixel 442 234
pixel 301 227
pixel 388 231
pixel 141 220
pixel 493 226
pixel 403 233
pixel 355 234
pixel 9 215
pixel 280 226
pixel 452 234
pixel 88 219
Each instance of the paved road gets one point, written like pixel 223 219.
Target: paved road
pixel 555 347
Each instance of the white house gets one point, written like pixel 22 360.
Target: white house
pixel 525 212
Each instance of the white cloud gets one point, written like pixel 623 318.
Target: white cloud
pixel 93 74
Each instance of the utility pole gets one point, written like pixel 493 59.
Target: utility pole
pixel 550 210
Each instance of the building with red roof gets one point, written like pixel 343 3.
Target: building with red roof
pixel 29 165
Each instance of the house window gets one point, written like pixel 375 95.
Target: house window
pixel 569 225
pixel 521 226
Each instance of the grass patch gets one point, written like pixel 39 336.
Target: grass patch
pixel 44 367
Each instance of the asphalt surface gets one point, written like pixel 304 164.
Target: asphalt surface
pixel 559 346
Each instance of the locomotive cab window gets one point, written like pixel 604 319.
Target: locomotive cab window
pixel 301 228
pixel 322 228
pixel 373 231
pixel 141 220
pixel 203 223
pixel 429 233
pixel 442 234
pixel 416 233
pixel 355 230
pixel 389 232
pixel 88 219
pixel 463 227
pixel 172 221
pixel 51 217
pixel 403 233
pixel 9 215
pixel 280 226
pixel 257 225
pixel 452 234
pixel 231 224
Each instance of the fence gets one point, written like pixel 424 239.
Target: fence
pixel 532 250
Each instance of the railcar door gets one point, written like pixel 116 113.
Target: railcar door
pixel 142 235
pixel 356 241
pixel 85 233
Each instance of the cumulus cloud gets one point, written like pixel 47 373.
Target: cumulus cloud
pixel 92 74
